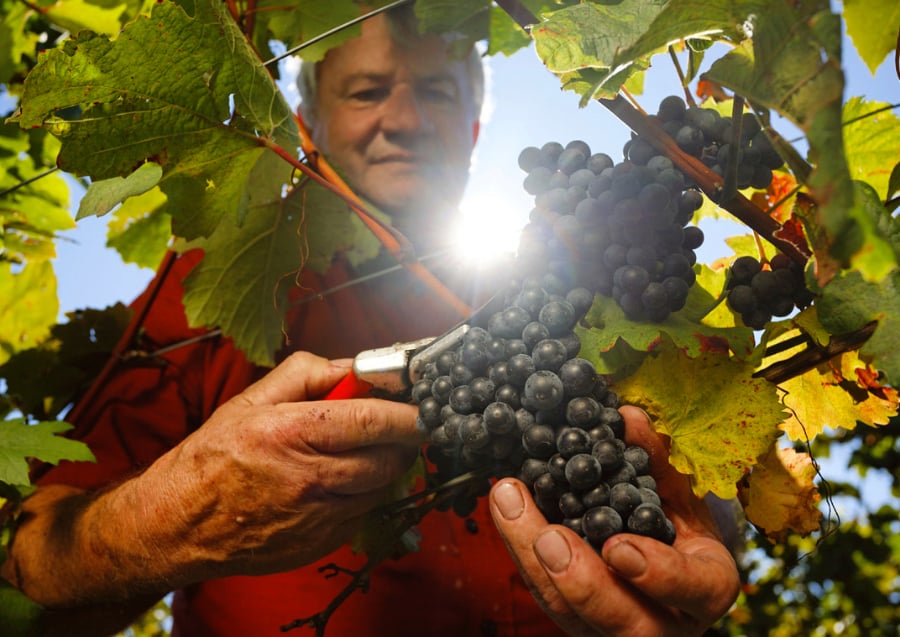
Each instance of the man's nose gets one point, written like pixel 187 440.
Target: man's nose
pixel 404 111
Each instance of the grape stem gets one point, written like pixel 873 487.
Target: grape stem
pixel 729 189
pixel 688 98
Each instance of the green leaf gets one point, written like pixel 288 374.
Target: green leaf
pixel 20 441
pixel 470 17
pixel 241 284
pixel 203 121
pixel 849 302
pixel 694 330
pixel 730 420
pixel 28 306
pixel 297 21
pixel 581 44
pixel 100 17
pixel 21 615
pixel 876 256
pixel 872 25
pixel 330 227
pixel 45 379
pixel 507 36
pixel 140 231
pixel 15 39
pixel 697 21
pixel 872 142
pixel 31 214
pixel 104 195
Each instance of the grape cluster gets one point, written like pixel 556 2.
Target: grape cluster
pixel 514 399
pixel 758 294
pixel 620 229
pixel 705 134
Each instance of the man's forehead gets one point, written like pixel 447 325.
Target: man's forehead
pixel 342 67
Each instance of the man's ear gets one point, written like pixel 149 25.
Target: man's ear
pixel 476 128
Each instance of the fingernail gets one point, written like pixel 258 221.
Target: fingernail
pixel 626 560
pixel 509 501
pixel 343 363
pixel 553 551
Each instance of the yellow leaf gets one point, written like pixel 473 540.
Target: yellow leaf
pixel 836 394
pixel 719 418
pixel 780 496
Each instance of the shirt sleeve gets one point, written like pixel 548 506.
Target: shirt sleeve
pixel 150 403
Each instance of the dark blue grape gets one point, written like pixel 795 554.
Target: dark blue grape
pixel 583 471
pixel 600 524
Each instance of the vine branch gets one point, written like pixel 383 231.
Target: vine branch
pixel 814 356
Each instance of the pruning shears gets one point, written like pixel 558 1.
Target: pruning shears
pixel 392 371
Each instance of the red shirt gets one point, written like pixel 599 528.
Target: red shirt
pixel 462 581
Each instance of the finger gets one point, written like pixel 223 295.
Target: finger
pixel 301 376
pixel 699 577
pixel 333 426
pixel 567 576
pixel 519 523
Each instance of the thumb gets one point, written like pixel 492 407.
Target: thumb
pixel 302 376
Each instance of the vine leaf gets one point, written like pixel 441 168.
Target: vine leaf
pixel 30 215
pixel 28 306
pixel 872 142
pixel 582 43
pixel 330 227
pixel 201 121
pixel 242 284
pixel 872 25
pixel 848 303
pixel 139 230
pixel 839 393
pixel 238 286
pixel 296 21
pixel 46 379
pixel 19 441
pixel 105 194
pixel 780 495
pixel 681 329
pixel 717 435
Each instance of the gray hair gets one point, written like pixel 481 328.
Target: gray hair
pixel 402 23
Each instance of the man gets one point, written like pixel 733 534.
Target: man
pixel 234 492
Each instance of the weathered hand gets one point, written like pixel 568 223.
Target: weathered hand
pixel 639 587
pixel 276 479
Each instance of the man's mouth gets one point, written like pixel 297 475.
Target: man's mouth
pixel 397 158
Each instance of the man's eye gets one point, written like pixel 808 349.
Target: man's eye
pixel 375 94
pixel 438 94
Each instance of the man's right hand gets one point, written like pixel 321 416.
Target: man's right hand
pixel 272 481
pixel 281 479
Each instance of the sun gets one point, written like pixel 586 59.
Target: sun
pixel 488 229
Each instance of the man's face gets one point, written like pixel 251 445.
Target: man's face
pixel 399 122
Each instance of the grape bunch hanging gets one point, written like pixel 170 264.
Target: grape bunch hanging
pixel 620 229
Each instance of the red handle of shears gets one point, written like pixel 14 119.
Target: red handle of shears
pixel 349 387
